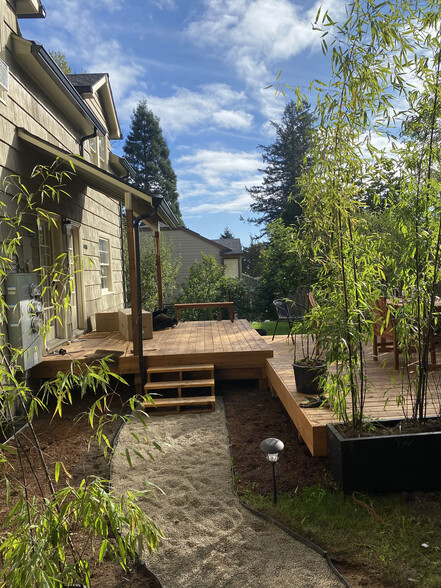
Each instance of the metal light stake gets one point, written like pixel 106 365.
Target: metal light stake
pixel 272 447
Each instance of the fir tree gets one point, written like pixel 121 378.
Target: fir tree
pixel 227 234
pixel 147 152
pixel 279 194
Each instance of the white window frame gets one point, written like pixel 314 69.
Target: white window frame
pixel 93 149
pixel 102 151
pixel 4 92
pixel 105 264
pixel 98 151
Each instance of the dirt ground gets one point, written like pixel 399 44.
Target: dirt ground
pixel 252 416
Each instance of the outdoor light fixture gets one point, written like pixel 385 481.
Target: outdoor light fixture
pixel 272 447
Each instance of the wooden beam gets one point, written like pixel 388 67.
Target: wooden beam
pixel 159 269
pixel 132 272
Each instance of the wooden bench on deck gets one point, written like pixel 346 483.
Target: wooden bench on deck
pixel 193 305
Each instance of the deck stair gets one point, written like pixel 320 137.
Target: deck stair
pixel 181 388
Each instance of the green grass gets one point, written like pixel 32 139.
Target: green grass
pixel 381 534
pixel 282 328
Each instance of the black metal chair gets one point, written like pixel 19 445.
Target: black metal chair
pixel 290 310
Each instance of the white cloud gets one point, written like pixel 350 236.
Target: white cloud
pixel 256 35
pixel 214 181
pixel 213 165
pixel 87 47
pixel 165 4
pixel 270 29
pixel 213 106
pixel 229 119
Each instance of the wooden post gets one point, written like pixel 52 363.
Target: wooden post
pixel 132 272
pixel 159 269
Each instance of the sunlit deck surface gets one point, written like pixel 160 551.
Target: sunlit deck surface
pixel 236 350
pixel 385 384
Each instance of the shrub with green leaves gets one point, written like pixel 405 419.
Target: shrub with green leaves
pixel 206 282
pixel 45 537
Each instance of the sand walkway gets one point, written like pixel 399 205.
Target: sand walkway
pixel 212 541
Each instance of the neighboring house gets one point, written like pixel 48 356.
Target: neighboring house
pixel 188 246
pixel 46 115
pixel 232 255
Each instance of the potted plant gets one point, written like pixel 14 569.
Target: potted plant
pixel 310 368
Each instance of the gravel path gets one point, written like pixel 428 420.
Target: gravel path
pixel 212 541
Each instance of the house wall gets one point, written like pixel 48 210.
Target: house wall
pixel 96 215
pixel 189 249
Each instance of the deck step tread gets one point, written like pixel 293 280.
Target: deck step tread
pixel 181 401
pixel 180 368
pixel 180 384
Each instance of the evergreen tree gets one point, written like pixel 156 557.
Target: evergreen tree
pixel 279 195
pixel 252 258
pixel 227 234
pixel 147 152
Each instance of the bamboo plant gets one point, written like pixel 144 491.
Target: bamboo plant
pixel 373 74
pixel 40 543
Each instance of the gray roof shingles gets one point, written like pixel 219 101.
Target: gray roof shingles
pixel 231 245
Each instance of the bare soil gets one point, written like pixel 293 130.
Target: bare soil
pixel 252 416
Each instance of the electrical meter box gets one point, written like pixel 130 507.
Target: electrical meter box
pixel 25 317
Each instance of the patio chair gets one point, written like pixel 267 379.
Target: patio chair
pixel 290 311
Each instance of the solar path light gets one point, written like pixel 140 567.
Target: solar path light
pixel 272 447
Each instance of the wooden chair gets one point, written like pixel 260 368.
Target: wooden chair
pixel 311 300
pixel 385 330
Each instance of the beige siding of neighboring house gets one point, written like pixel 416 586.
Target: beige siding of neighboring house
pixel 190 249
pixel 95 215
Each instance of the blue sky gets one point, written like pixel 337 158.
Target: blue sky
pixel 203 66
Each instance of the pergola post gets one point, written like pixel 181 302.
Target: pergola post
pixel 131 248
pixel 159 268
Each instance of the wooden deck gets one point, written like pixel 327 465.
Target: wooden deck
pixel 236 350
pixel 311 422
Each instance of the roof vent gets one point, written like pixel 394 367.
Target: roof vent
pixel 4 76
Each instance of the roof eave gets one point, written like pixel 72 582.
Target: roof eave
pixel 165 213
pixel 122 165
pixel 93 176
pixel 29 9
pixel 103 88
pixel 37 62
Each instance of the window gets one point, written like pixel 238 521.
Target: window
pixel 4 77
pixel 105 264
pixel 102 152
pixel 92 145
pixel 98 151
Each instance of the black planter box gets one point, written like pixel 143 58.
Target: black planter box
pixel 385 463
